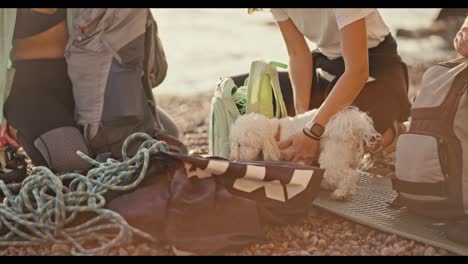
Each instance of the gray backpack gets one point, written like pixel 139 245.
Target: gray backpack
pixel 432 159
pixel 115 58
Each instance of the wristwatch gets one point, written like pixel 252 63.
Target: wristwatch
pixel 313 130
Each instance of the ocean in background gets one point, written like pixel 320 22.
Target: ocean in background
pixel 203 45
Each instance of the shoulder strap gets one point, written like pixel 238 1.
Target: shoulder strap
pixel 155 58
pixel 454 63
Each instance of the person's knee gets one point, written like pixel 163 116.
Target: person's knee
pixel 59 149
pixel 167 123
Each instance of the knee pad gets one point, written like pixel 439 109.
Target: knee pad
pixel 59 147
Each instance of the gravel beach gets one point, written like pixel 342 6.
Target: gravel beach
pixel 199 50
pixel 320 233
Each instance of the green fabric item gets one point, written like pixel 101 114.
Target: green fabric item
pixel 240 99
pixel 264 92
pixel 7 27
pixel 223 113
pixel 261 93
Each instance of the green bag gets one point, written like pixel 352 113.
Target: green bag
pixel 263 90
pixel 261 93
pixel 223 113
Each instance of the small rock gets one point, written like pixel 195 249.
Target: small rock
pixel 380 237
pixel 390 240
pixel 259 252
pixel 314 240
pixel 418 251
pixel 360 229
pixel 31 252
pixel 21 252
pixel 312 249
pixel 355 249
pixel 322 243
pixel 443 252
pixel 61 250
pixel 387 251
pixel 123 252
pixel 132 250
pixel 429 251
pixel 12 251
pixel 145 250
pixel 294 245
pixel 402 251
pixel 298 232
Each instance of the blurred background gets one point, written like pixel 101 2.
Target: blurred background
pixel 203 45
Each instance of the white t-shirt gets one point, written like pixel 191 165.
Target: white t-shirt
pixel 322 25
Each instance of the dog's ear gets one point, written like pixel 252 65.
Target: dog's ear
pixel 366 133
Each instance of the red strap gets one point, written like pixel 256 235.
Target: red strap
pixel 5 137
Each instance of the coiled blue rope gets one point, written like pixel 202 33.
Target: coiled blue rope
pixel 45 209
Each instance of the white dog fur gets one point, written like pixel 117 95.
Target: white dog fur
pixel 252 137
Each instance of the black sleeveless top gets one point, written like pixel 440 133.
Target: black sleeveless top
pixel 30 23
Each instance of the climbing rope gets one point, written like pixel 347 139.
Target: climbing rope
pixel 45 209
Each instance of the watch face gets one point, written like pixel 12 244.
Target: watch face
pixel 317 130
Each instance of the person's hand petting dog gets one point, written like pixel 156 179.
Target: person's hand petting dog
pixel 300 148
pixel 461 40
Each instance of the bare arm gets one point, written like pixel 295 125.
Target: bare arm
pixel 350 84
pixel 300 65
pixel 299 147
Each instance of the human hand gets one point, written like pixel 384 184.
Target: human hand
pixel 461 41
pixel 300 147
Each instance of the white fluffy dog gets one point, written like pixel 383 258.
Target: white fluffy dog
pixel 253 137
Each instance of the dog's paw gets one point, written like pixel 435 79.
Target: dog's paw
pixel 340 195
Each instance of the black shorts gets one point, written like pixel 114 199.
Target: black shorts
pixel 41 99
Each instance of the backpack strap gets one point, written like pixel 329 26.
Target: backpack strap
pixel 420 188
pixel 453 63
pixel 429 189
pixel 155 61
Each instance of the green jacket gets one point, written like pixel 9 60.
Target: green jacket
pixel 7 27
